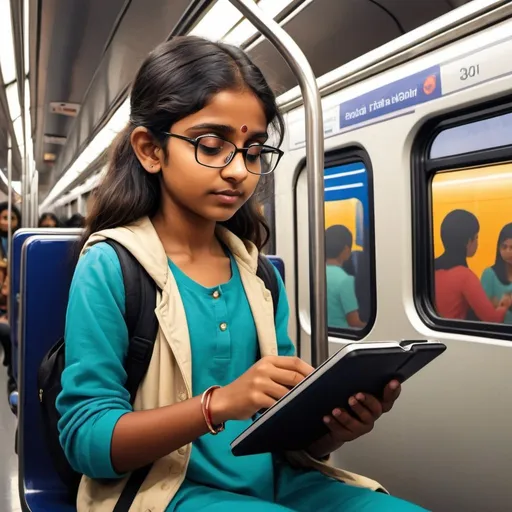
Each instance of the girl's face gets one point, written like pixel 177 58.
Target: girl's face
pixel 472 247
pixel 48 222
pixel 4 221
pixel 210 193
pixel 506 251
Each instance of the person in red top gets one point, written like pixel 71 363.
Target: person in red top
pixel 458 291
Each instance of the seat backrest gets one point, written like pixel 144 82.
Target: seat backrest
pixel 18 240
pixel 278 263
pixel 47 265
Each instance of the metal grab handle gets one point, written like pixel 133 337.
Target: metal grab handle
pixel 300 67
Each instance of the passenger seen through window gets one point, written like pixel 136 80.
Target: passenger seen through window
pixel 458 291
pixel 497 280
pixel 342 306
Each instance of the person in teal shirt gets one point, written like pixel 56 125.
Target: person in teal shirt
pixel 191 159
pixel 342 306
pixel 497 280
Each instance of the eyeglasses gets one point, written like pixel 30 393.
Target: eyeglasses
pixel 215 152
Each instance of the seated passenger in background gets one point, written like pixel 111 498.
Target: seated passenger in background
pixel 458 290
pixel 49 220
pixel 76 221
pixel 4 225
pixel 342 306
pixel 497 280
pixel 5 332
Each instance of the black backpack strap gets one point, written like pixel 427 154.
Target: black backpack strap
pixel 142 324
pixel 267 274
pixel 141 321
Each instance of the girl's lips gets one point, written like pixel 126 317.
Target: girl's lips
pixel 228 196
pixel 227 199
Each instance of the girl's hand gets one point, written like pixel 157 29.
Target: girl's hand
pixel 344 427
pixel 506 301
pixel 258 388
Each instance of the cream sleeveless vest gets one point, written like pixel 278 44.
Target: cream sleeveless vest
pixel 169 377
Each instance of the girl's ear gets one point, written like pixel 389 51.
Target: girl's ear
pixel 146 150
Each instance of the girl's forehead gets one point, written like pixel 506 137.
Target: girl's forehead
pixel 238 109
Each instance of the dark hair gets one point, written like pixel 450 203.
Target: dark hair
pixel 76 221
pixel 458 228
pixel 337 238
pixel 49 215
pixel 5 206
pixel 176 80
pixel 499 267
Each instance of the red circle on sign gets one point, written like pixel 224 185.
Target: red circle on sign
pixel 430 84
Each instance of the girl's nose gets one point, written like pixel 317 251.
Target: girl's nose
pixel 236 169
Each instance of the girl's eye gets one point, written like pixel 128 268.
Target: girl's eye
pixel 254 153
pixel 210 145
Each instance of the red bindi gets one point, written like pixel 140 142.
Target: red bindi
pixel 244 128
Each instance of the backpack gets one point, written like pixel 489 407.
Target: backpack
pixel 142 324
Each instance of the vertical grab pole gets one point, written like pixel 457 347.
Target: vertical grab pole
pixel 300 67
pixel 9 199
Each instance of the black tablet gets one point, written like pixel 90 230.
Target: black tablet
pixel 296 421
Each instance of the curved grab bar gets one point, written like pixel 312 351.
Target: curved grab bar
pixel 301 68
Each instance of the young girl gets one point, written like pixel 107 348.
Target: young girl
pixel 497 280
pixel 179 195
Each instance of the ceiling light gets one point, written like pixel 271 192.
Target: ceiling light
pixel 26 40
pixel 218 21
pixel 245 30
pixel 13 99
pixel 7 58
pixel 18 130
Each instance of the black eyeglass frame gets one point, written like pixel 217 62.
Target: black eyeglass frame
pixel 195 142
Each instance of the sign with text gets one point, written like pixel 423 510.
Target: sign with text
pixel 407 92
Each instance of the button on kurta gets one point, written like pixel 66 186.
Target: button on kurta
pixel 223 326
pixel 216 294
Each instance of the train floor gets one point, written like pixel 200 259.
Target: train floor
pixel 9 498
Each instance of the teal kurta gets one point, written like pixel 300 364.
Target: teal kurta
pixel 224 345
pixel 495 289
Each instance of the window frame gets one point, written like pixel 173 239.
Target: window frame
pixel 424 169
pixel 334 158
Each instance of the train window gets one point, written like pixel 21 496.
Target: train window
pixel 488 133
pixel 463 223
pixel 350 266
pixel 347 247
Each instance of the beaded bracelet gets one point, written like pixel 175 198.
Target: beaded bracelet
pixel 205 406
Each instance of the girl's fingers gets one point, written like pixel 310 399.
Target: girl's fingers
pixel 364 414
pixel 371 403
pixel 347 421
pixel 391 393
pixel 338 431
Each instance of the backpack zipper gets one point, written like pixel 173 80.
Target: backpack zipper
pixel 41 395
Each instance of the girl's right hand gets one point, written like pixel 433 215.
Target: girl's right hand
pixel 506 301
pixel 258 388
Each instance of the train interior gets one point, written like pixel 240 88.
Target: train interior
pixel 417 132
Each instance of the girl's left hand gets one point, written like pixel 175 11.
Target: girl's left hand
pixel 344 427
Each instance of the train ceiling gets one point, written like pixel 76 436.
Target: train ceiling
pixel 84 54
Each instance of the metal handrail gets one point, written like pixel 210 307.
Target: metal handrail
pixel 302 70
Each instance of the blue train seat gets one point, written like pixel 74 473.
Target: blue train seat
pixel 278 263
pixel 46 272
pixel 18 240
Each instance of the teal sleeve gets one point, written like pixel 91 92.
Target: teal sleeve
pixel 285 346
pixel 348 295
pixel 488 278
pixel 93 396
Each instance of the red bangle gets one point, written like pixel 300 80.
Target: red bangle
pixel 205 405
